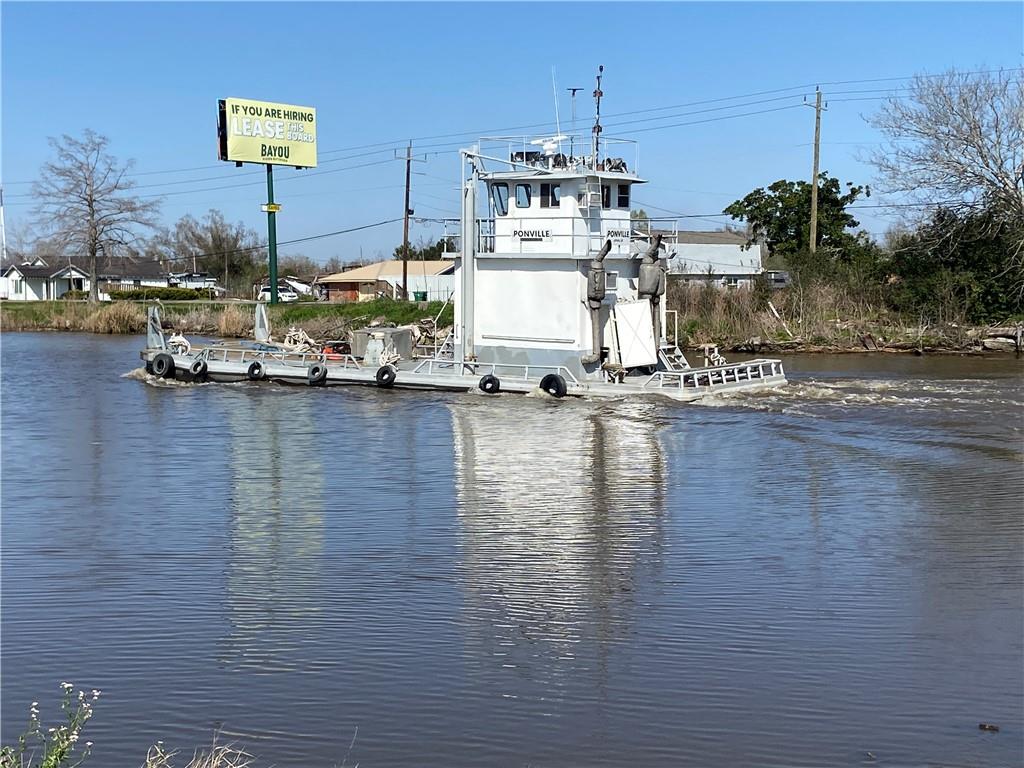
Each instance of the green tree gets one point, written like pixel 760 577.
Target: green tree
pixel 780 215
pixel 952 268
pixel 423 250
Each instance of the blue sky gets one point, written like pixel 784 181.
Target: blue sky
pixel 148 76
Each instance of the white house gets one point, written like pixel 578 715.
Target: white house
pixel 36 281
pixel 719 258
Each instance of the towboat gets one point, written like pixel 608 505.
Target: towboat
pixel 556 289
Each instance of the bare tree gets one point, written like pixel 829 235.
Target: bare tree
pixel 83 202
pixel 957 139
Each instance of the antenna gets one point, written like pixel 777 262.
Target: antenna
pixel 554 93
pixel 598 93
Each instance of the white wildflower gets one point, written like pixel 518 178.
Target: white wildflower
pixel 73 737
pixel 88 745
pixel 66 686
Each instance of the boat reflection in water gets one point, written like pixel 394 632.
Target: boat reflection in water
pixel 562 514
pixel 276 530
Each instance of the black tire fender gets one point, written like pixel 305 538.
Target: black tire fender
pixel 554 385
pixel 198 369
pixel 386 376
pixel 163 366
pixel 255 371
pixel 490 384
pixel 317 374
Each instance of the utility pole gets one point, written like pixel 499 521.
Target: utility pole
pixel 405 223
pixel 814 176
pixel 3 226
pixel 271 209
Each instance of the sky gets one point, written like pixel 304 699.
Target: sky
pixel 691 77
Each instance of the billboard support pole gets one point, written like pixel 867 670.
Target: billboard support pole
pixel 272 233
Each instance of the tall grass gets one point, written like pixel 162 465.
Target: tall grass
pixel 822 316
pixel 119 317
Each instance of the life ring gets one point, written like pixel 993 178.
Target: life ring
pixel 163 366
pixel 255 371
pixel 317 374
pixel 490 384
pixel 554 385
pixel 386 376
pixel 198 369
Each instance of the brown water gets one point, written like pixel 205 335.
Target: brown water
pixel 341 576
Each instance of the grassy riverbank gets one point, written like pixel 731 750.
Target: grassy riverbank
pixel 823 318
pixel 231 319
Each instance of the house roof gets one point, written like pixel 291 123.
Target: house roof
pixel 116 267
pixel 30 271
pixel 391 268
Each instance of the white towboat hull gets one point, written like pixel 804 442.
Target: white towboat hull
pixel 232 364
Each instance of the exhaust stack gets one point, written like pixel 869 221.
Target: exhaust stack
pixel 652 284
pixel 597 287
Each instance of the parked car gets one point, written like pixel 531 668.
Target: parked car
pixel 284 294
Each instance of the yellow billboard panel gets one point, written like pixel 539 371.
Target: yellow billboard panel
pixel 264 132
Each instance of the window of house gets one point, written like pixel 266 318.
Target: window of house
pixel 523 193
pixel 623 196
pixel 611 280
pixel 606 196
pixel 550 195
pixel 499 194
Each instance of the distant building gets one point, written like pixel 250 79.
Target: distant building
pixel 718 258
pixel 35 280
pixel 434 280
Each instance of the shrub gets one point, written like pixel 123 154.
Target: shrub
pixel 75 295
pixel 57 746
pixel 164 294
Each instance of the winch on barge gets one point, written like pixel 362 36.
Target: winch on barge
pixel 555 289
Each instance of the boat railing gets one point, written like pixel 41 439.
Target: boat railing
pixel 703 379
pixel 573 150
pixel 475 367
pixel 297 359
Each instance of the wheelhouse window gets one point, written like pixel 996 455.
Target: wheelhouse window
pixel 550 195
pixel 523 194
pixel 499 195
pixel 606 196
pixel 623 200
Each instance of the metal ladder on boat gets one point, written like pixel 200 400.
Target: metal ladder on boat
pixel 447 349
pixel 672 358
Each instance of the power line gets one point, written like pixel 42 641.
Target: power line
pixel 261 247
pixel 398 143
